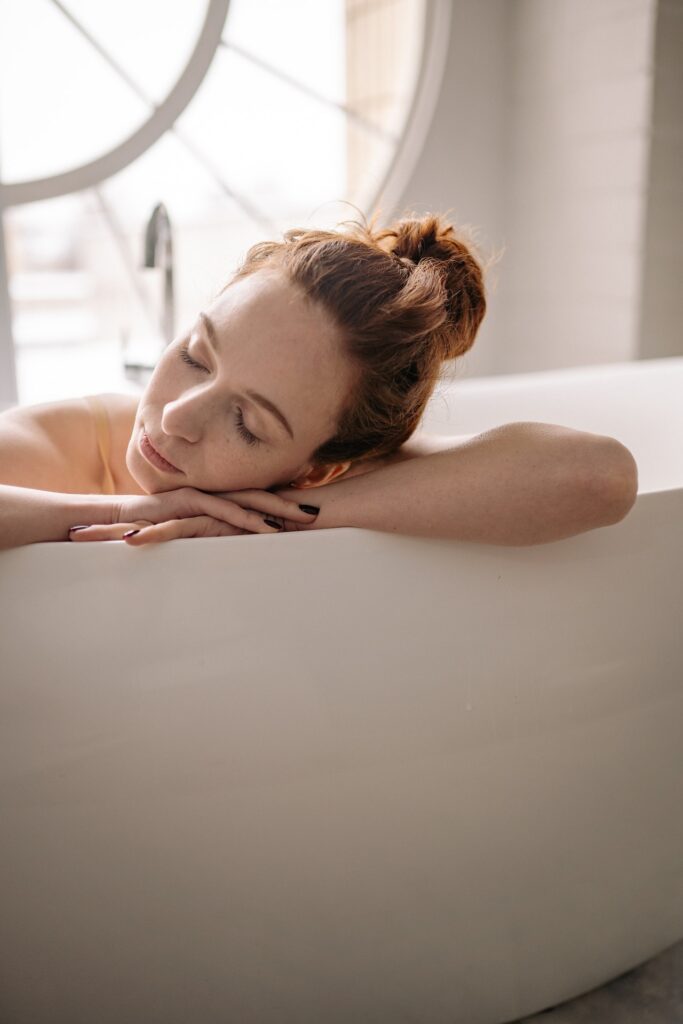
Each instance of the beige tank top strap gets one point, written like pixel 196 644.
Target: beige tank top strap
pixel 103 440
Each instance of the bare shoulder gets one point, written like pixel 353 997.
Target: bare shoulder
pixel 121 410
pixel 120 406
pixel 53 446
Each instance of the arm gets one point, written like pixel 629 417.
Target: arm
pixel 44 490
pixel 518 484
pixel 35 502
pixel 420 443
pixel 28 515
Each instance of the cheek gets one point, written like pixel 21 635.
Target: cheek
pixel 239 470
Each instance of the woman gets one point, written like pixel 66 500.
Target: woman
pixel 292 403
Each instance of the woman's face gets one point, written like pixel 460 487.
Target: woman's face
pixel 269 383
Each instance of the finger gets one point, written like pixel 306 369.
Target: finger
pixel 257 522
pixel 174 529
pixel 273 504
pixel 100 531
pixel 155 533
pixel 292 527
pixel 244 518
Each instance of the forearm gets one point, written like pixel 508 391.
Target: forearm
pixel 520 484
pixel 28 515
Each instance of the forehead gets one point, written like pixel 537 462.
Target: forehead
pixel 267 304
pixel 266 325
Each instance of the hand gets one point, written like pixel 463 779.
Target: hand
pixel 313 497
pixel 187 512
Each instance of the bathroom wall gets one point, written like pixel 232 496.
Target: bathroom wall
pixel 542 138
pixel 661 312
pixel 580 96
pixel 460 168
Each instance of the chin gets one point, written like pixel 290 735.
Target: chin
pixel 142 474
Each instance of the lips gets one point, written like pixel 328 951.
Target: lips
pixel 155 457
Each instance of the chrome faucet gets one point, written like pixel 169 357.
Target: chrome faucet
pixel 159 253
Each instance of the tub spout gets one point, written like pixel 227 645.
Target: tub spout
pixel 159 253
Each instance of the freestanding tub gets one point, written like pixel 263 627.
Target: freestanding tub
pixel 344 776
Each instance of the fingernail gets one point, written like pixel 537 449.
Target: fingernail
pixel 131 533
pixel 72 529
pixel 272 523
pixel 311 509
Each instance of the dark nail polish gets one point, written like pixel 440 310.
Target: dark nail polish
pixel 72 529
pixel 271 522
pixel 311 509
pixel 131 533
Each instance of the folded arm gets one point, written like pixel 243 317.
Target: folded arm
pixel 517 484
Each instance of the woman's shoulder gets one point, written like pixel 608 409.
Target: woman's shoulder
pixel 53 445
pixel 59 415
pixel 62 422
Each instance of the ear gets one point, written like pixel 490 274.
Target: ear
pixel 317 476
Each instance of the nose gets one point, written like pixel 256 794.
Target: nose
pixel 187 416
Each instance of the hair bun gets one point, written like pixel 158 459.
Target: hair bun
pixel 416 239
pixel 431 243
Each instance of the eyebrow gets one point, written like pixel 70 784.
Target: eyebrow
pixel 261 399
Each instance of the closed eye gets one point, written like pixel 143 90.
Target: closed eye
pixel 242 428
pixel 246 434
pixel 187 358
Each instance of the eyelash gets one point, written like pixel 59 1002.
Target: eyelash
pixel 239 418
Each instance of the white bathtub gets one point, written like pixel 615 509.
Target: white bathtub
pixel 344 777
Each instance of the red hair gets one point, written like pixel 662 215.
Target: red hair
pixel 406 298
